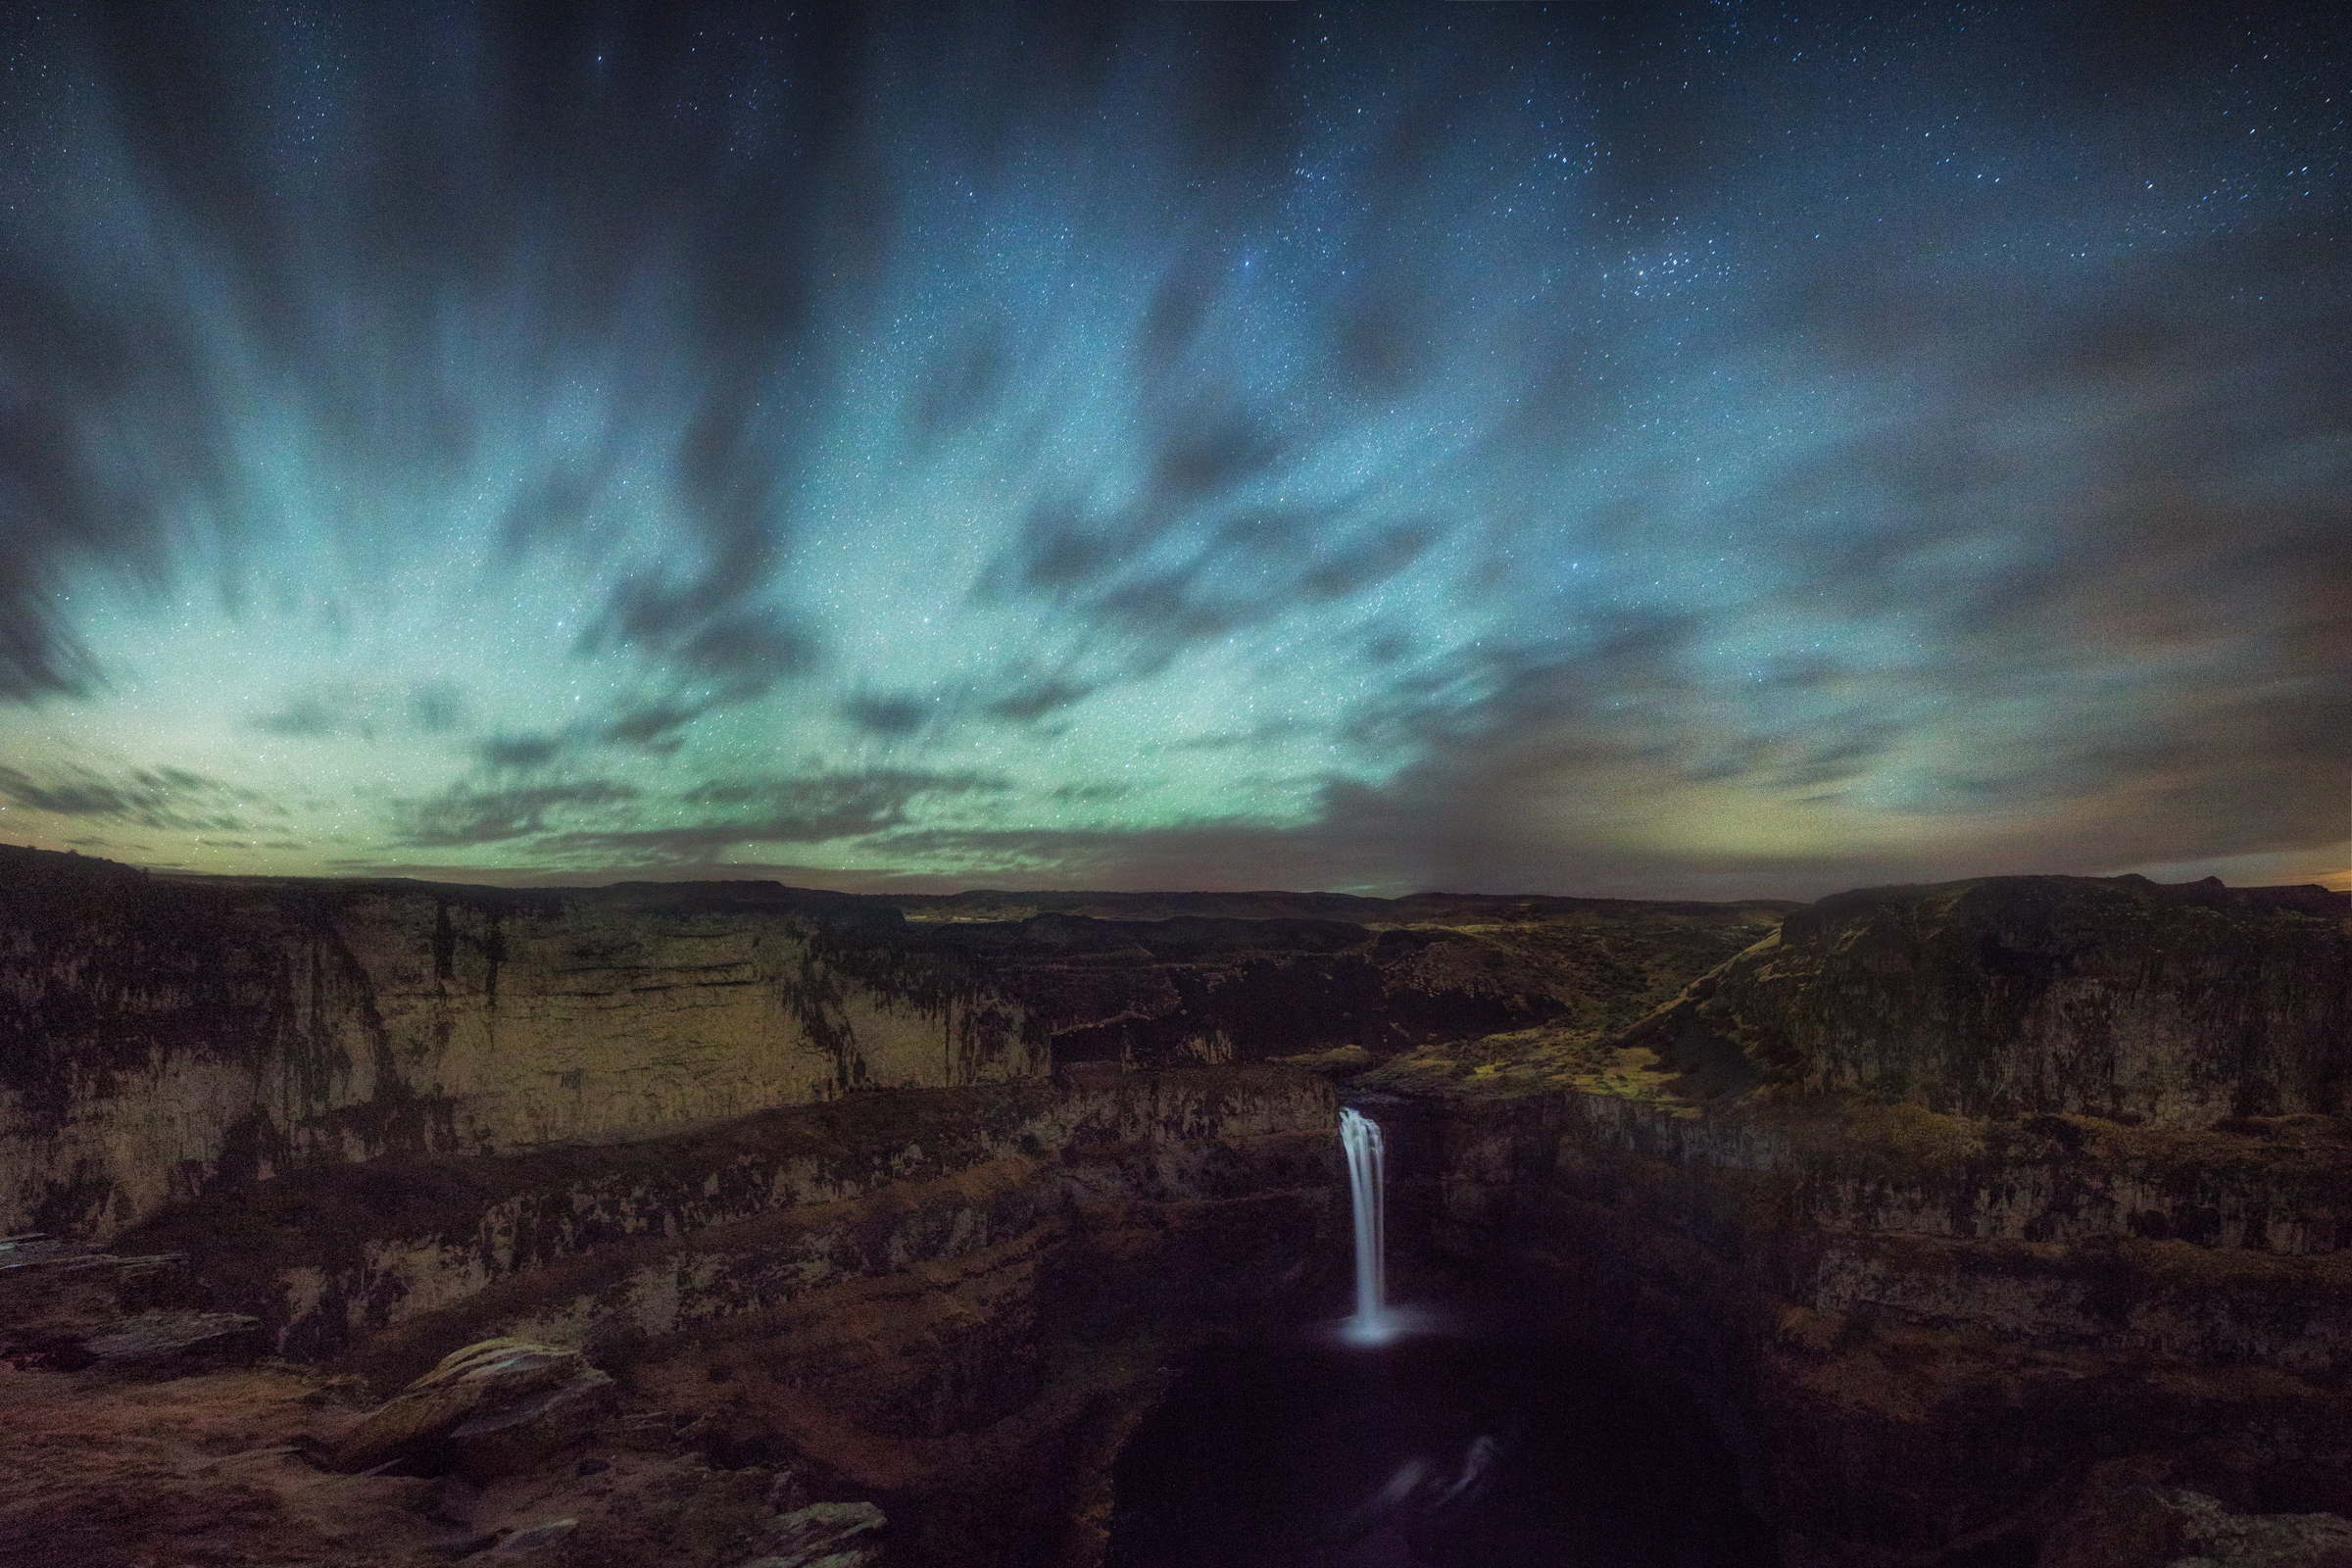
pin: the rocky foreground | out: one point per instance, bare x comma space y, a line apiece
1998, 1222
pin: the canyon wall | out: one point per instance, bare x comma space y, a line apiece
953, 1302
1957, 1203
916, 1201
1977, 1214
162, 1038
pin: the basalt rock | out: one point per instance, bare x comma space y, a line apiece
2012, 997
1944, 1197
1977, 1214
160, 1038
489, 1409
952, 1300
167, 1037
824, 1535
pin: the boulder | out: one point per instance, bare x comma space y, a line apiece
824, 1535
493, 1408
2214, 1534
530, 1539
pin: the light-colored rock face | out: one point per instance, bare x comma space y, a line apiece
162, 1038
176, 1037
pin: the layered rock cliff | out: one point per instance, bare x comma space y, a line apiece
861, 1201
947, 1302
1958, 1202
162, 1038
1996, 1222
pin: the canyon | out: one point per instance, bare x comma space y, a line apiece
1989, 1223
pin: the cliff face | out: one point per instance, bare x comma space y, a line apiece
616, 1246
1979, 1214
1955, 1203
955, 1300
160, 1038
2165, 1007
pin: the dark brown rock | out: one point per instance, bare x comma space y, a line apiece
493, 1408
1941, 1197
2011, 997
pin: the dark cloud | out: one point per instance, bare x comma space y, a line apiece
1153, 579
520, 752
654, 726
166, 799
879, 714
1854, 444
465, 817
1028, 701
426, 709
961, 392
790, 810
119, 405
1206, 856
695, 628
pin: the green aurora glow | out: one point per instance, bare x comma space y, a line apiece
1751, 449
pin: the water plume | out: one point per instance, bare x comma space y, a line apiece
1372, 1323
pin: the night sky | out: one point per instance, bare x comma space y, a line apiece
1702, 450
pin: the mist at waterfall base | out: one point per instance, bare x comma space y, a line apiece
1457, 1433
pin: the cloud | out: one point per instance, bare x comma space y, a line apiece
1760, 459
166, 799
369, 711
466, 816
1146, 581
893, 716
1209, 857
1026, 700
700, 631
520, 752
831, 806
717, 814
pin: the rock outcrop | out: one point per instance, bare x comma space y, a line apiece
918, 1200
160, 1038
486, 1411
2010, 997
951, 1300
236, 1467
1944, 1196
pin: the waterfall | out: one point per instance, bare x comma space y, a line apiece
1360, 1135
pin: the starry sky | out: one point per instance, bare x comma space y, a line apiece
1658, 450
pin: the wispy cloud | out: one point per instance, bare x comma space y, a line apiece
166, 799
1146, 443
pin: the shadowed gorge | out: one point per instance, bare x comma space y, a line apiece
1999, 1221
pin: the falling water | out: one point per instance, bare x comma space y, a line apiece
1360, 1135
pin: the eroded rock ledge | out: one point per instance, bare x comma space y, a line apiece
163, 1038
1958, 1202
946, 1301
